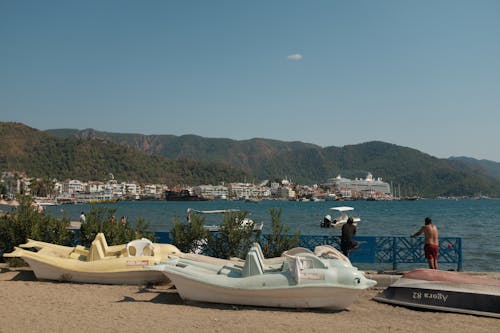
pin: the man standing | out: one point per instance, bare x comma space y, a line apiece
347, 244
431, 247
82, 218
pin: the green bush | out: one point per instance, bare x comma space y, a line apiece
101, 219
279, 239
233, 239
190, 236
26, 222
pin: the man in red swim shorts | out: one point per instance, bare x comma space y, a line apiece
431, 247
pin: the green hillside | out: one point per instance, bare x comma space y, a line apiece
412, 171
485, 167
247, 155
41, 154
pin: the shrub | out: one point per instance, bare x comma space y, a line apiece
233, 238
101, 219
26, 222
190, 236
279, 240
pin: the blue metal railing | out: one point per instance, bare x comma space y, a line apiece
380, 249
377, 249
395, 250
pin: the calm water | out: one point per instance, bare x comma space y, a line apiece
477, 222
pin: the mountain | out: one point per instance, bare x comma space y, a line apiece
485, 167
247, 155
44, 155
412, 171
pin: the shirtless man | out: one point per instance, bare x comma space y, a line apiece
431, 247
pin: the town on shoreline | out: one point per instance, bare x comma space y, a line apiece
47, 192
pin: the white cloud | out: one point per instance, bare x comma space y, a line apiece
295, 57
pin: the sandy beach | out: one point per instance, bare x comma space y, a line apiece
29, 305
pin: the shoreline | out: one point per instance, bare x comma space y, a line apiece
31, 305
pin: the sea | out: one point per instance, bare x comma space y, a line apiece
476, 221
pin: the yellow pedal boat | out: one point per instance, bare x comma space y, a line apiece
100, 263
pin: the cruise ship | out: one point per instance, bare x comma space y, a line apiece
360, 188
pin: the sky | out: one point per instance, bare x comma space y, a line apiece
421, 74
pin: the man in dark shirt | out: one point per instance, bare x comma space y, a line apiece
346, 241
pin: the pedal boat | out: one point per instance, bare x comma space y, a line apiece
299, 279
445, 291
103, 264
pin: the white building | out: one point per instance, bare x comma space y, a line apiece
286, 193
248, 191
131, 189
151, 190
211, 191
96, 187
73, 186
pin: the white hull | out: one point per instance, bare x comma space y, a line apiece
339, 221
44, 271
119, 264
290, 297
216, 228
298, 279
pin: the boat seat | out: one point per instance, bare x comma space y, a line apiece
81, 250
273, 264
78, 256
80, 253
253, 264
140, 247
295, 266
230, 270
310, 260
108, 250
95, 251
147, 251
258, 249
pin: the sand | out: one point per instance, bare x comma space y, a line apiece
29, 305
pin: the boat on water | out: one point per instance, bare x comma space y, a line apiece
216, 227
184, 195
45, 202
341, 219
100, 263
298, 279
445, 291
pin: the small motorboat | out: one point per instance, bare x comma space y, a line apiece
100, 263
300, 279
245, 222
341, 219
445, 291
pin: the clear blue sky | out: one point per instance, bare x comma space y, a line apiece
421, 74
